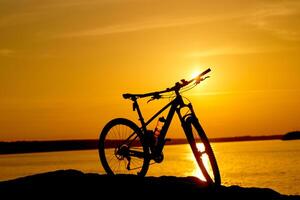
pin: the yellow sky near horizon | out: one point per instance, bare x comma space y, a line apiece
65, 64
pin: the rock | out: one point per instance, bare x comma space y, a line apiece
74, 184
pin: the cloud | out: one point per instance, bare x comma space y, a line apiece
40, 11
221, 51
234, 50
280, 19
146, 25
6, 52
237, 92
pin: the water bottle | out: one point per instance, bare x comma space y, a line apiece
159, 125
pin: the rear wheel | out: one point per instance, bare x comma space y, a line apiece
121, 148
202, 151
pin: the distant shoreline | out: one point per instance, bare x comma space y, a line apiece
89, 144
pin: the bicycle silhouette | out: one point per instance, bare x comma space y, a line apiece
125, 148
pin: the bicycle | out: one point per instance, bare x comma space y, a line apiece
125, 148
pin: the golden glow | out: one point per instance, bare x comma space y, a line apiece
62, 73
197, 172
200, 147
195, 74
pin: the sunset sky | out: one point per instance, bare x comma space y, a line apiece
65, 64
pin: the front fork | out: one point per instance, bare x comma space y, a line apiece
183, 119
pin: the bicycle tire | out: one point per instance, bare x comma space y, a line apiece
114, 139
204, 154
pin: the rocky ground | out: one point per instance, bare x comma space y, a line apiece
75, 184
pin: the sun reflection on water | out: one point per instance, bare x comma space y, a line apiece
205, 159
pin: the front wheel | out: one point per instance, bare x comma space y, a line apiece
121, 148
202, 151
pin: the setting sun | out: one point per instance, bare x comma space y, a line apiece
205, 159
196, 73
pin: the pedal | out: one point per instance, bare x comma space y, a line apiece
159, 158
128, 164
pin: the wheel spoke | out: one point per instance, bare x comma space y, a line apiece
122, 149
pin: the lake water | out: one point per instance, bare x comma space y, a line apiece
267, 164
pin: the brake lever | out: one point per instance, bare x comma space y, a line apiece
206, 77
201, 79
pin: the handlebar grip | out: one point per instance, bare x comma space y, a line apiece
205, 72
126, 96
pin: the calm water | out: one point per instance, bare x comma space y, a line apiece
273, 164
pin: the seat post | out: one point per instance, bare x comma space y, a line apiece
137, 108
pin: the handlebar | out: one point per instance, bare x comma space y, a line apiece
175, 88
205, 72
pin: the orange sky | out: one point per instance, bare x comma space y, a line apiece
65, 64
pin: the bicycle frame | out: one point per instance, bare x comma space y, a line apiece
176, 105
145, 145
